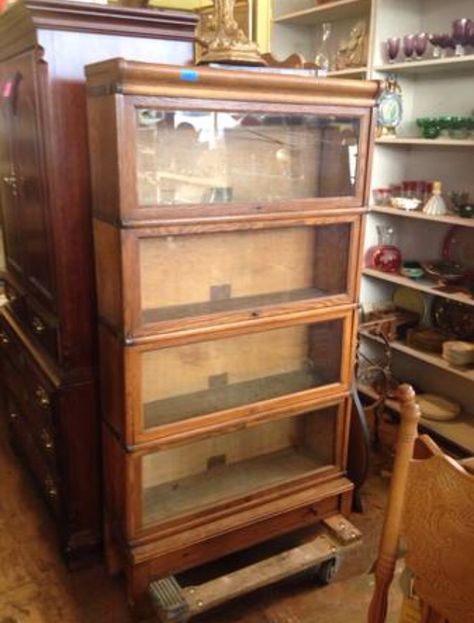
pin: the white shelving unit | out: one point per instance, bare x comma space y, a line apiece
459, 431
430, 87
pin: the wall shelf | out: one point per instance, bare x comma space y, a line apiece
424, 285
433, 65
327, 12
448, 219
400, 141
347, 73
430, 358
459, 431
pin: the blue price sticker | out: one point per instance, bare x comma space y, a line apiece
189, 75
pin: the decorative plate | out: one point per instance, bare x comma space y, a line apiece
411, 300
434, 407
458, 246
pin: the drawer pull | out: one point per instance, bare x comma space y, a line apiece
4, 339
38, 325
42, 397
47, 440
13, 415
12, 182
51, 488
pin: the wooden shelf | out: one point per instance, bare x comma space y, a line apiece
459, 431
327, 12
424, 285
400, 141
347, 73
449, 219
177, 408
186, 494
432, 65
430, 358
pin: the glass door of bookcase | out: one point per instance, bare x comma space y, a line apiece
207, 473
176, 388
240, 273
193, 156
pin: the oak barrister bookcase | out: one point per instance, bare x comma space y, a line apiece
227, 222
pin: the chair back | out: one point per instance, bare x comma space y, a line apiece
431, 502
438, 528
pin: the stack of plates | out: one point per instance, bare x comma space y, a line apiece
458, 353
435, 407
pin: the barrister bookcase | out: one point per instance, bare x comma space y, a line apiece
227, 223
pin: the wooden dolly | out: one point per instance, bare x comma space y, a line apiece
175, 604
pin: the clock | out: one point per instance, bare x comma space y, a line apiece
389, 108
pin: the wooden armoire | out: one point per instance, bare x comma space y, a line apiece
48, 329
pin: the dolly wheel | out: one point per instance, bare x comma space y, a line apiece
327, 570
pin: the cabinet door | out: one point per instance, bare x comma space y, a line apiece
11, 217
24, 197
204, 476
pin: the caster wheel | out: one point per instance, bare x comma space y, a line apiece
327, 570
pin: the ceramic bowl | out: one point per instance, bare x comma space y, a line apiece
405, 203
413, 270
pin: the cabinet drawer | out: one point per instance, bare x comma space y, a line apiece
178, 277
31, 387
245, 464
175, 384
16, 301
43, 469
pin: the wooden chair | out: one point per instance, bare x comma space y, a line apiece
431, 504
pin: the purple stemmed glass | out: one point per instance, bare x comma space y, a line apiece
460, 35
435, 41
446, 43
392, 48
408, 46
421, 41
470, 33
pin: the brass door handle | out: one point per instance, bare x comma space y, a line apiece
12, 182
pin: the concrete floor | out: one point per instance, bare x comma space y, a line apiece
35, 587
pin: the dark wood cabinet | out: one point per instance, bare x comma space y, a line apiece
227, 228
48, 328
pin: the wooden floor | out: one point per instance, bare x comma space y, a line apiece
35, 587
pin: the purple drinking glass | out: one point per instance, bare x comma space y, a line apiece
446, 43
392, 48
421, 42
460, 35
435, 40
470, 33
408, 46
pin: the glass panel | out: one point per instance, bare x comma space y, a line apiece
192, 157
193, 275
181, 382
213, 470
